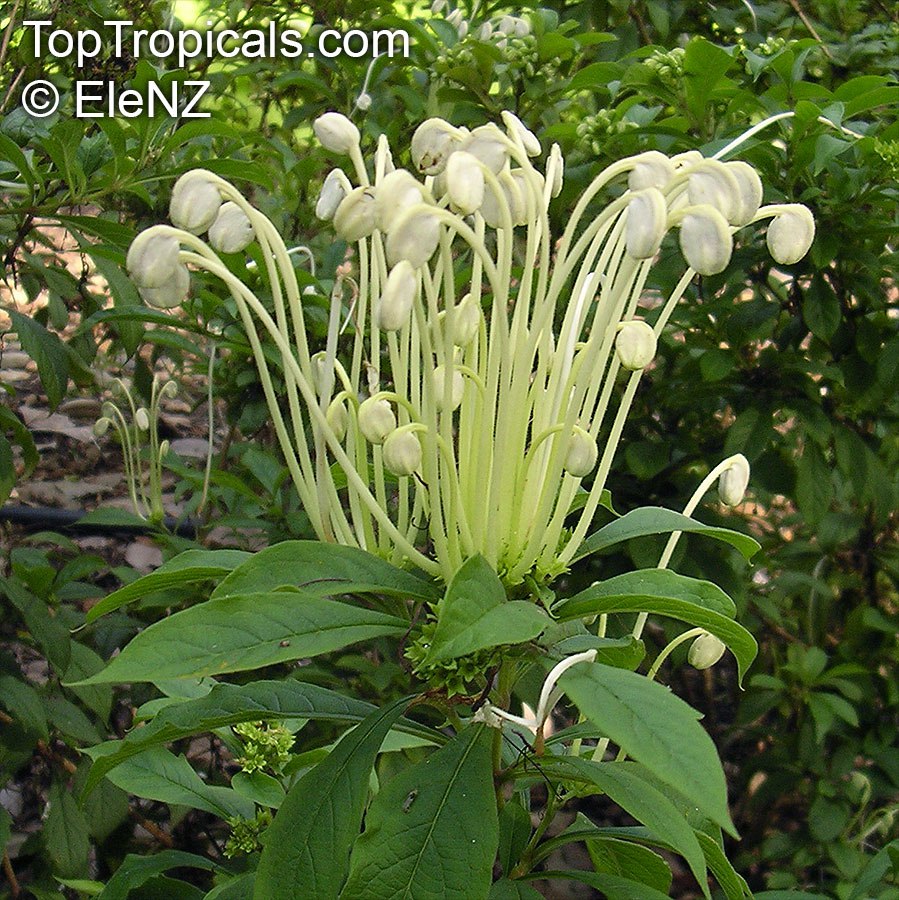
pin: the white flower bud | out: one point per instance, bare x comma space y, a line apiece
712, 183
392, 308
466, 321
506, 25
395, 193
333, 191
431, 145
336, 416
363, 101
402, 452
488, 144
231, 231
515, 127
734, 480
142, 419
101, 426
635, 344
357, 216
455, 18
376, 420
195, 201
164, 449
414, 236
705, 651
750, 191
556, 164
169, 295
457, 388
687, 159
647, 221
464, 182
485, 32
582, 453
705, 240
335, 132
437, 7
169, 390
790, 234
512, 194
522, 27
152, 258
651, 169
462, 30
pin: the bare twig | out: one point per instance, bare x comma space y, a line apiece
15, 889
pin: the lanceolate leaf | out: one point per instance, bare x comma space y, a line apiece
475, 614
233, 634
655, 728
432, 831
307, 848
136, 871
665, 593
229, 704
186, 568
657, 520
323, 570
613, 887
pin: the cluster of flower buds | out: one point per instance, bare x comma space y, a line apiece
492, 363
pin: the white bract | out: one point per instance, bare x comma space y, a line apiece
470, 351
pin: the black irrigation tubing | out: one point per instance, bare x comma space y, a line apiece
41, 518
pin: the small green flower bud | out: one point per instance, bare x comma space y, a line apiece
635, 344
376, 420
582, 453
705, 240
356, 217
335, 132
790, 234
457, 388
231, 232
195, 201
705, 651
402, 452
734, 480
333, 191
465, 182
647, 221
392, 308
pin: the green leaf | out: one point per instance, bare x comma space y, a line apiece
65, 834
159, 775
657, 520
704, 66
655, 728
514, 833
234, 634
612, 856
229, 704
613, 887
24, 703
432, 830
475, 614
5, 828
262, 789
186, 568
323, 570
821, 309
874, 871
814, 484
504, 889
306, 850
660, 591
733, 885
48, 353
624, 784
239, 888
135, 871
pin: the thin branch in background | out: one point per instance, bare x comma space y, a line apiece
811, 28
15, 889
9, 30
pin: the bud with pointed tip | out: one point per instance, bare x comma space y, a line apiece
334, 190
231, 232
402, 452
152, 258
749, 197
457, 388
651, 169
395, 193
169, 295
432, 143
516, 127
376, 419
335, 132
705, 239
195, 201
582, 453
635, 345
791, 233
705, 651
356, 217
734, 480
647, 221
392, 308
414, 236
464, 182
557, 164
